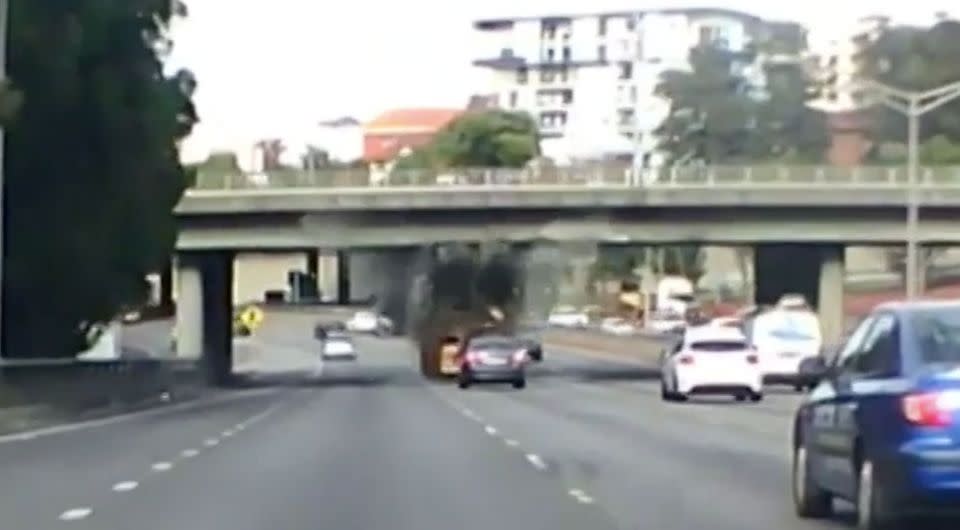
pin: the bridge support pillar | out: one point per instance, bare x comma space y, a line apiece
830, 299
204, 318
815, 271
166, 286
343, 277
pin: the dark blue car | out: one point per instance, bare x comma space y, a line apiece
882, 427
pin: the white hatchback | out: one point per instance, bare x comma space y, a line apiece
711, 360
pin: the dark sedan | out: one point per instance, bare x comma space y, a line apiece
494, 359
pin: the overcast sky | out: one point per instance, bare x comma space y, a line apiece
270, 68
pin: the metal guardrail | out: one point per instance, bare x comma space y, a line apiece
588, 176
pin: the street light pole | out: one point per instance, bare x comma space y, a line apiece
635, 92
4, 10
913, 105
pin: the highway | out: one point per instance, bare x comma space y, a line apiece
369, 445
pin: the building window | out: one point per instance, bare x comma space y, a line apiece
550, 55
566, 54
625, 116
602, 26
547, 75
564, 74
633, 93
567, 97
513, 99
602, 53
626, 71
548, 30
631, 23
522, 76
832, 63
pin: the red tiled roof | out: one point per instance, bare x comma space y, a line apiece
411, 121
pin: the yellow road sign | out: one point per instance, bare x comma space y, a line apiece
251, 317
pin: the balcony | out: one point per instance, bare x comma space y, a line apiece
505, 60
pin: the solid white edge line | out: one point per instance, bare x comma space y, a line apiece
211, 442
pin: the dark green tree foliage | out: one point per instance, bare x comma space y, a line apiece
717, 117
916, 58
490, 139
461, 288
92, 169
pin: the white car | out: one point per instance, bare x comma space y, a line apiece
618, 326
368, 322
711, 360
785, 337
338, 347
666, 322
568, 317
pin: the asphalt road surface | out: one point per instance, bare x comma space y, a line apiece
369, 445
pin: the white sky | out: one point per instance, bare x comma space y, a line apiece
269, 68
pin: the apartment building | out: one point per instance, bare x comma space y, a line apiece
836, 57
595, 76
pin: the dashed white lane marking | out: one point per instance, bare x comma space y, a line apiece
511, 442
162, 466
227, 433
190, 453
211, 442
536, 461
125, 486
75, 514
491, 430
581, 497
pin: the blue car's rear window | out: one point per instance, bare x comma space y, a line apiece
937, 335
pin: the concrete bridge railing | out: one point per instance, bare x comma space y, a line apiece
587, 176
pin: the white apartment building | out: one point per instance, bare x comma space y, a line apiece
595, 76
835, 53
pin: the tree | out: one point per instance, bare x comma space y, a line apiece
916, 58
315, 158
92, 166
488, 139
718, 116
271, 151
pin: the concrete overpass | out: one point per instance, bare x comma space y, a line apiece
798, 229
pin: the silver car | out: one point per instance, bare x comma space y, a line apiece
494, 359
337, 346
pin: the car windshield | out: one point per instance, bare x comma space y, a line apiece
936, 333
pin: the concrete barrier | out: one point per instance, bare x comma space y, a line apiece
39, 392
641, 347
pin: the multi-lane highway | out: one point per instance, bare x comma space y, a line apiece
369, 445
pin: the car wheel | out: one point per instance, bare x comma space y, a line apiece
872, 510
665, 394
799, 388
756, 396
463, 382
520, 383
809, 499
740, 397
